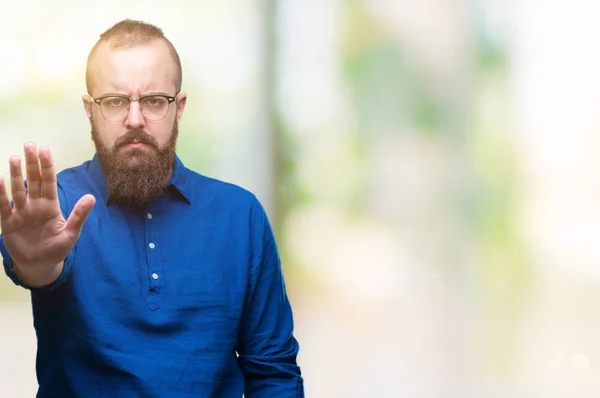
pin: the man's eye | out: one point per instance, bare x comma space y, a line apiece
154, 101
115, 102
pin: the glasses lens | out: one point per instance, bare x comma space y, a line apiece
114, 108
154, 107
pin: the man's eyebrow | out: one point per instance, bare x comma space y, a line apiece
114, 94
155, 93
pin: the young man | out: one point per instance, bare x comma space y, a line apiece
146, 278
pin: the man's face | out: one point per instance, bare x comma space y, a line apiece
136, 152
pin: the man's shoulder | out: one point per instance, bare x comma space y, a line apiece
73, 171
74, 176
213, 188
223, 194
73, 182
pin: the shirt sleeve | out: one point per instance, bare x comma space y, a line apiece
267, 347
8, 263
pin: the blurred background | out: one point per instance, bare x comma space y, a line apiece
430, 169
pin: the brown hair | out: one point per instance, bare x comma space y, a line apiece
129, 33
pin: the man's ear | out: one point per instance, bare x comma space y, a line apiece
87, 105
180, 102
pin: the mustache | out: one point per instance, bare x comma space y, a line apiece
136, 136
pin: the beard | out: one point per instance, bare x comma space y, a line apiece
136, 176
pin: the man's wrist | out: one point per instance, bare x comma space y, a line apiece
38, 276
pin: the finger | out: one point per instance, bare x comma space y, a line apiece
32, 169
16, 182
48, 174
80, 213
5, 208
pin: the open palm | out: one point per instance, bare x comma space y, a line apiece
35, 233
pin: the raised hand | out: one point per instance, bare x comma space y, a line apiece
35, 233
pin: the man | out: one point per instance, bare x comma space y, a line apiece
146, 278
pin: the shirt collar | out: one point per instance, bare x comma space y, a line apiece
177, 184
179, 180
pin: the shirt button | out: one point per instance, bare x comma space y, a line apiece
155, 276
152, 245
149, 215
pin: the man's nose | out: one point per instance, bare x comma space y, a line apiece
135, 119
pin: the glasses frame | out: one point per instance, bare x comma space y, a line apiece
99, 100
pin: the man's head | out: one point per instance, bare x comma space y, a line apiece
133, 101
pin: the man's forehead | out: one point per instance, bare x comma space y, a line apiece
138, 67
106, 52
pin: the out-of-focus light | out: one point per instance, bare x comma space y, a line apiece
14, 70
580, 361
56, 60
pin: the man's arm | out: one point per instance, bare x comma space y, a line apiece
267, 347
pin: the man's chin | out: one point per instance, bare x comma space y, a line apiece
134, 156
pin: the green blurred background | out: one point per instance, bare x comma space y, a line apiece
429, 168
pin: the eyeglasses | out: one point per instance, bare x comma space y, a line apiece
115, 107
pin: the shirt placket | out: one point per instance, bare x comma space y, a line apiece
154, 267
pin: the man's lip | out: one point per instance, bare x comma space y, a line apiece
135, 145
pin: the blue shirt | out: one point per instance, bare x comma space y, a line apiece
183, 299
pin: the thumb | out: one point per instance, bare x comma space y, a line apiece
80, 213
